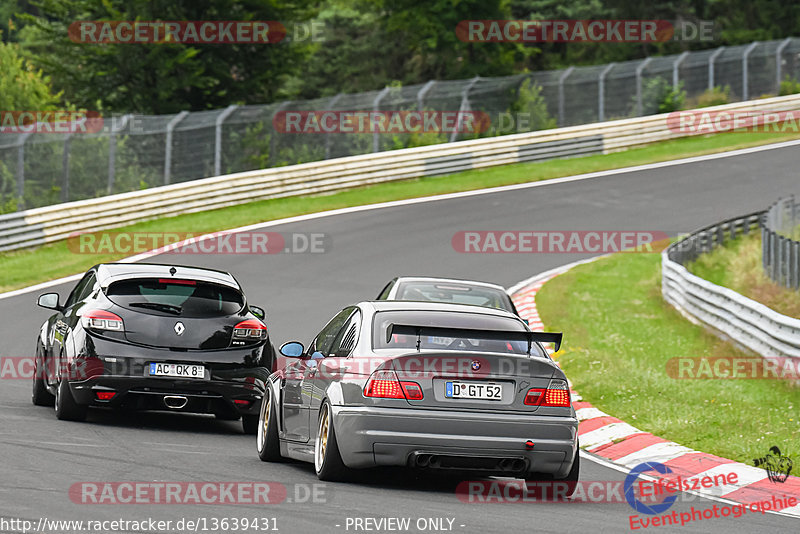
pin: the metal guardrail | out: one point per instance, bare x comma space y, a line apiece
746, 322
780, 253
52, 223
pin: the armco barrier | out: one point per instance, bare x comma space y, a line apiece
744, 321
43, 225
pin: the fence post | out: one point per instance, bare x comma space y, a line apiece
65, 169
712, 58
779, 63
376, 142
218, 138
745, 81
168, 145
330, 106
639, 68
561, 80
676, 65
421, 94
601, 93
112, 151
464, 107
272, 135
20, 144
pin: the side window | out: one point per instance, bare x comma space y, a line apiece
386, 290
81, 290
324, 340
347, 337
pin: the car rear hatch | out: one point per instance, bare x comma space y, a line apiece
183, 314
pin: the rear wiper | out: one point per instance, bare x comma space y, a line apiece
169, 308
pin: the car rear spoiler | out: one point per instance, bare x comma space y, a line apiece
474, 333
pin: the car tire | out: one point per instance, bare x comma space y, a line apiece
250, 424
66, 407
267, 444
41, 396
328, 462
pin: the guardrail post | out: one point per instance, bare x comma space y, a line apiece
601, 92
561, 80
464, 107
112, 151
168, 145
218, 138
711, 59
779, 63
639, 68
376, 141
421, 94
745, 81
676, 65
65, 169
795, 272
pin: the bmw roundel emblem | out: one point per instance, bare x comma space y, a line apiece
179, 328
476, 365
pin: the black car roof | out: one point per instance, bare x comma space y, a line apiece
110, 272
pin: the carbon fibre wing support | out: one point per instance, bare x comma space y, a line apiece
474, 333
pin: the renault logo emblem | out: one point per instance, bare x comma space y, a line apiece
179, 328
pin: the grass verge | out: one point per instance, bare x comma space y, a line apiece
737, 265
619, 335
26, 267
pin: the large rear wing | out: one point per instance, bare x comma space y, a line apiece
474, 333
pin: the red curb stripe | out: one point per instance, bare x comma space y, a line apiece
765, 490
600, 450
631, 444
587, 425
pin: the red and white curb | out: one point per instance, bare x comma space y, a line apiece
626, 446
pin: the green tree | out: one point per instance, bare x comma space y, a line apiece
167, 77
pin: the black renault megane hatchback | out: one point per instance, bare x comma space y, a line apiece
153, 337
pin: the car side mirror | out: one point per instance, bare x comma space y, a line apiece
317, 355
292, 349
527, 322
258, 311
49, 301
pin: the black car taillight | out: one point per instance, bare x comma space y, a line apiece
556, 394
102, 320
251, 329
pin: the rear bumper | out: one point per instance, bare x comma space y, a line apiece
232, 374
369, 436
188, 396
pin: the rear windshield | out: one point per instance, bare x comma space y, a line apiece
183, 298
448, 319
454, 293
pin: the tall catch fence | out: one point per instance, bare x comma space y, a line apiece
134, 152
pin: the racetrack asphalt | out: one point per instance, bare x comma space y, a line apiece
42, 457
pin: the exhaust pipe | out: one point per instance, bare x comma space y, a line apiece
175, 402
423, 460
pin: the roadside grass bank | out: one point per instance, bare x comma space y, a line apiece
618, 336
26, 267
737, 265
